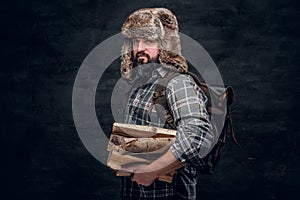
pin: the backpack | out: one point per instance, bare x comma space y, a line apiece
220, 96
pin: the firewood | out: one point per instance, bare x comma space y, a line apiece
135, 144
116, 160
131, 130
139, 145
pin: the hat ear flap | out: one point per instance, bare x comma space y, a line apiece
170, 47
126, 59
173, 61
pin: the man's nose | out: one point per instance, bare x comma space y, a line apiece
141, 46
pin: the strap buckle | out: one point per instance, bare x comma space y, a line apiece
158, 94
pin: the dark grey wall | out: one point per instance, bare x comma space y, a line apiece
255, 44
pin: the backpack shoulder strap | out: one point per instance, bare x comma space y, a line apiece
159, 99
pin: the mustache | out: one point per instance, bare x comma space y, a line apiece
142, 54
137, 62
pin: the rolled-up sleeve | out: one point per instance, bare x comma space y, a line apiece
194, 138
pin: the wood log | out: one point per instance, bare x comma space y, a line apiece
139, 145
136, 131
117, 159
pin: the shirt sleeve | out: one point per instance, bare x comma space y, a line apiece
187, 104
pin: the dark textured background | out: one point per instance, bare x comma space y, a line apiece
255, 44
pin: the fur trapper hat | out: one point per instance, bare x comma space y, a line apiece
153, 23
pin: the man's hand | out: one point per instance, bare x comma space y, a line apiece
143, 175
144, 179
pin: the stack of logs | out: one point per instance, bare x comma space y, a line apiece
135, 144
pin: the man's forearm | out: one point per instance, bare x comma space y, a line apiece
165, 164
146, 174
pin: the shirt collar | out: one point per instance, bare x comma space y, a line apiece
161, 71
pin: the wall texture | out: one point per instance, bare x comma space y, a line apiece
255, 45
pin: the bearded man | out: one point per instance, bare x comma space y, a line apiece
152, 50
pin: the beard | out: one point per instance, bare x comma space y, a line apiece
144, 70
138, 61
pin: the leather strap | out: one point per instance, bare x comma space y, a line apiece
159, 98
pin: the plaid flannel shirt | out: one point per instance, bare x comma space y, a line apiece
193, 138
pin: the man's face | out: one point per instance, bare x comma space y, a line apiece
144, 50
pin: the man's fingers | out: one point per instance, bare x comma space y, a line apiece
143, 179
140, 182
